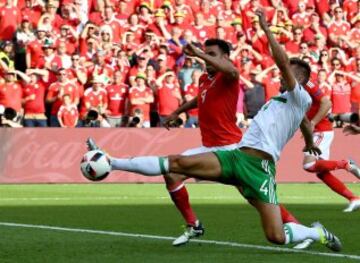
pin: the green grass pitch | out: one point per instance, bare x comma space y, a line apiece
147, 209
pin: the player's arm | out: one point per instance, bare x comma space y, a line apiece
278, 53
192, 104
351, 129
325, 106
223, 65
307, 132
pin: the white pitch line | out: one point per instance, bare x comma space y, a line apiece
202, 241
138, 197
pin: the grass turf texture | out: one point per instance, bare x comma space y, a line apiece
147, 209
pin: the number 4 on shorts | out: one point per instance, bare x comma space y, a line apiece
264, 187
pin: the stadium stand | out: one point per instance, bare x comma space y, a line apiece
114, 63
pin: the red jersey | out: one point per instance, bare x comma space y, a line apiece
217, 103
11, 95
137, 93
10, 18
95, 98
316, 96
271, 87
68, 115
339, 28
34, 48
37, 105
192, 90
58, 88
117, 95
168, 98
340, 97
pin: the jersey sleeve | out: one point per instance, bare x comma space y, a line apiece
314, 91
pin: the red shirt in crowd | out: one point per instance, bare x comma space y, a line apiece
68, 115
37, 105
271, 87
10, 18
340, 97
192, 91
11, 95
117, 98
34, 48
217, 100
137, 93
57, 90
96, 99
169, 98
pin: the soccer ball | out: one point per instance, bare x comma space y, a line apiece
95, 165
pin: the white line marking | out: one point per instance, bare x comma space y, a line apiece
212, 242
139, 197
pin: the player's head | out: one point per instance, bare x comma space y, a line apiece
301, 70
216, 48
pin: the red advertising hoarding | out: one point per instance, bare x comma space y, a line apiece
52, 155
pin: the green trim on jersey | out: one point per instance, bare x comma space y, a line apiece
255, 176
280, 99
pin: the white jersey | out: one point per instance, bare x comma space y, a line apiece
277, 121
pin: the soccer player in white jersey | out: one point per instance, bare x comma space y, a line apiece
251, 168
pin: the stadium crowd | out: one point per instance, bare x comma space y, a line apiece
121, 63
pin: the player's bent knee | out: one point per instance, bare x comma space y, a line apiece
178, 164
309, 167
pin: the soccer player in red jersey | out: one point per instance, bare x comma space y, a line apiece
323, 136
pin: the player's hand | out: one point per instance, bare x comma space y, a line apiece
312, 149
262, 18
169, 120
351, 130
191, 50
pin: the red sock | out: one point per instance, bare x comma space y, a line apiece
336, 185
322, 166
286, 216
180, 197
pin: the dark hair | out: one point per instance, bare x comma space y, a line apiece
303, 71
223, 45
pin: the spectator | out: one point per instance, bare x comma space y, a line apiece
185, 74
293, 47
338, 27
68, 114
270, 81
6, 57
34, 97
10, 17
168, 94
340, 95
11, 92
34, 51
56, 92
141, 96
117, 94
95, 98
190, 92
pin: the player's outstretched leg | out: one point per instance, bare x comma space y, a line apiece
179, 195
279, 233
322, 169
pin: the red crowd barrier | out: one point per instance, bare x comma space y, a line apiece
51, 155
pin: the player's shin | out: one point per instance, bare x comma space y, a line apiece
146, 165
295, 233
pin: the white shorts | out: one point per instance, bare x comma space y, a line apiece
204, 149
323, 140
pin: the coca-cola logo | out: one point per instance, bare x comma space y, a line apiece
54, 155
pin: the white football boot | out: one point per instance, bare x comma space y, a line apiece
327, 238
354, 168
353, 205
190, 232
